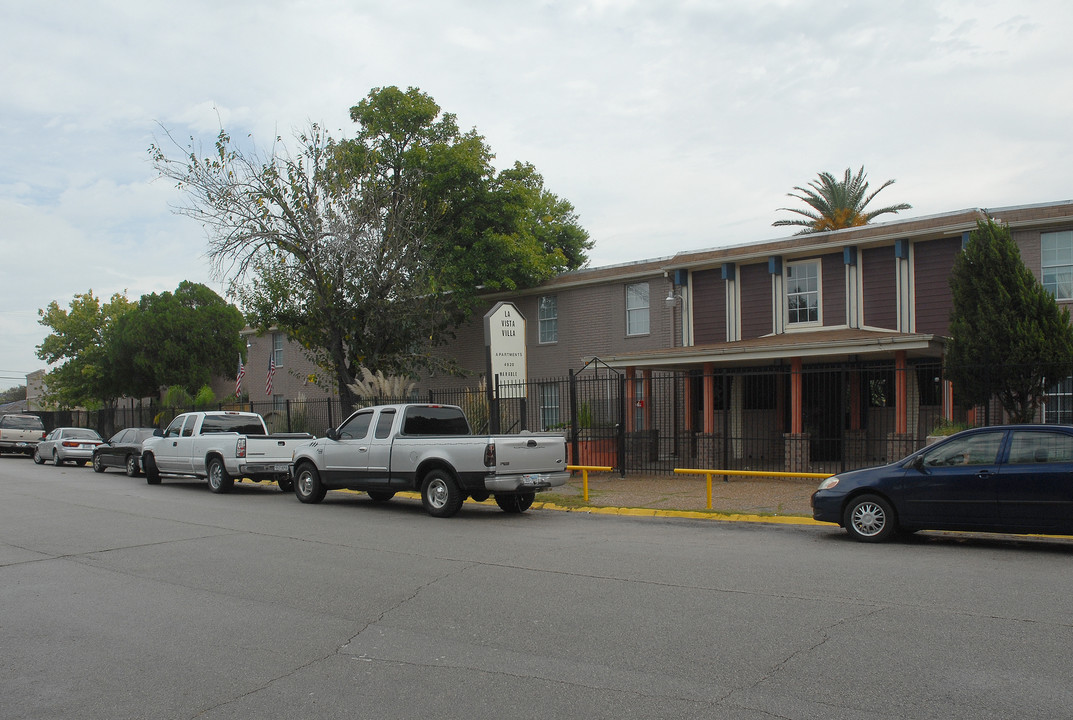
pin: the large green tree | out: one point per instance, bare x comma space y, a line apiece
1009, 338
83, 375
836, 204
182, 339
370, 251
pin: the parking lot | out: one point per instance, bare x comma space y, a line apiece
124, 600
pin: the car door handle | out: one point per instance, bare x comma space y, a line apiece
363, 449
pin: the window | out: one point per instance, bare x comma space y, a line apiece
803, 292
548, 315
357, 427
1041, 447
383, 424
979, 449
637, 309
1058, 403
1056, 260
277, 349
549, 406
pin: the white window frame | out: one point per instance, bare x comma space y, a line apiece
813, 287
548, 319
1056, 263
277, 349
638, 321
549, 406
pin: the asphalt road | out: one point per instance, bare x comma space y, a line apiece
121, 600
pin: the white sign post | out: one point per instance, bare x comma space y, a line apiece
504, 338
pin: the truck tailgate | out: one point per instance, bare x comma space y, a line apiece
530, 453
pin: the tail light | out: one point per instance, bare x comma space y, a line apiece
490, 455
240, 448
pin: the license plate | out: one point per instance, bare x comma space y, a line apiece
532, 479
281, 468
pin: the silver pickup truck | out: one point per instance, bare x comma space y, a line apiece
220, 446
429, 449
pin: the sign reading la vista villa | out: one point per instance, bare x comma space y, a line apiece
504, 338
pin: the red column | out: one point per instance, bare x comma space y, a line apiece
797, 415
709, 398
901, 394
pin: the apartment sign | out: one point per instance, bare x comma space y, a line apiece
504, 339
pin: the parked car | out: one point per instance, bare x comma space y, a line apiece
67, 444
123, 450
20, 433
1011, 478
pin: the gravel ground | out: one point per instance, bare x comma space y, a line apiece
762, 496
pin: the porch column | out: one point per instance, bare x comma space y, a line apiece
709, 398
796, 442
631, 398
901, 394
646, 397
796, 410
900, 443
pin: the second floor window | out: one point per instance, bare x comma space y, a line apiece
1056, 259
803, 292
548, 316
637, 309
277, 349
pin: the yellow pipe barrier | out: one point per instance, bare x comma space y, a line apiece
585, 475
708, 475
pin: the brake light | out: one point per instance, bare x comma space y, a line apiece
490, 455
240, 448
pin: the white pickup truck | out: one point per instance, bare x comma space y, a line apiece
428, 448
220, 446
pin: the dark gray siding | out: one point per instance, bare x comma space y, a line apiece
755, 301
709, 307
879, 284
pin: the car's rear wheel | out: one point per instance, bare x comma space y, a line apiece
870, 518
286, 485
441, 495
56, 458
219, 479
515, 502
38, 459
132, 466
98, 465
152, 474
307, 485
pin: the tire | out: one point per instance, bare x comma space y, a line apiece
152, 474
131, 465
515, 502
381, 495
219, 480
869, 518
56, 458
307, 485
286, 485
440, 494
38, 460
98, 464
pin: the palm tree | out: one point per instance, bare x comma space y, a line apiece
837, 204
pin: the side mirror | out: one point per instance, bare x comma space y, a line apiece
331, 434
157, 432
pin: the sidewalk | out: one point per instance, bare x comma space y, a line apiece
767, 497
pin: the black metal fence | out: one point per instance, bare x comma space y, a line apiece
653, 422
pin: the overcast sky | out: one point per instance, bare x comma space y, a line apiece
669, 125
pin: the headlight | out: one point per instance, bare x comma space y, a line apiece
828, 483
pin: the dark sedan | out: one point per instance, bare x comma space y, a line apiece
1011, 478
123, 450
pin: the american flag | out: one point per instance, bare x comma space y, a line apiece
239, 376
271, 372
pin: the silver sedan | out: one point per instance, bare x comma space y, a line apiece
67, 444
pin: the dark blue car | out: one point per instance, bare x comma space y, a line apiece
1009, 478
